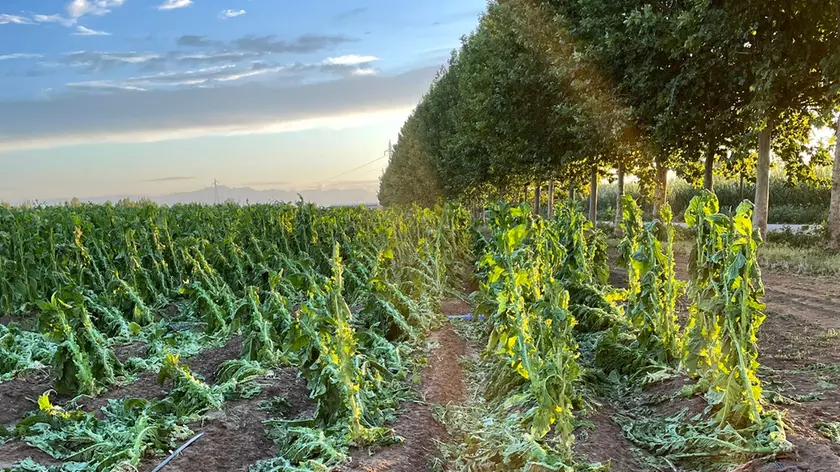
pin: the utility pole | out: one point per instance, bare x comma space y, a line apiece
216, 190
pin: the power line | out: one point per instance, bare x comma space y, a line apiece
356, 168
387, 155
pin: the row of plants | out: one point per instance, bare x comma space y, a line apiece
561, 340
345, 295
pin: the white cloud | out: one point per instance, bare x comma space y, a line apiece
19, 55
215, 57
55, 19
166, 114
13, 19
168, 79
336, 122
231, 13
130, 57
363, 72
350, 60
82, 31
80, 8
104, 85
173, 4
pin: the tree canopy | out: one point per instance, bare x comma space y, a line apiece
557, 89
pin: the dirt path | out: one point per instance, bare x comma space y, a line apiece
441, 383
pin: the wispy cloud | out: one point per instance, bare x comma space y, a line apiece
94, 62
346, 66
194, 77
363, 72
352, 13
182, 113
13, 19
80, 8
83, 31
170, 179
55, 19
304, 44
19, 55
225, 14
350, 60
191, 40
215, 57
269, 44
173, 4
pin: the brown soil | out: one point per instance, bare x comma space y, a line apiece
604, 442
11, 453
664, 398
127, 351
204, 364
455, 307
27, 321
19, 396
441, 383
235, 438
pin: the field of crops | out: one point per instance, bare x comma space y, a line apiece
297, 336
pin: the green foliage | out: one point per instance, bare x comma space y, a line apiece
726, 311
706, 442
531, 340
188, 395
830, 429
82, 361
302, 449
272, 273
21, 351
259, 337
130, 428
652, 286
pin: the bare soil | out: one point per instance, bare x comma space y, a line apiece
604, 442
235, 437
441, 383
19, 396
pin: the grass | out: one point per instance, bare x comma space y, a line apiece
791, 203
779, 257
783, 258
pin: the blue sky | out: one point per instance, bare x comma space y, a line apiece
101, 97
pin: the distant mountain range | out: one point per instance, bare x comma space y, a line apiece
242, 195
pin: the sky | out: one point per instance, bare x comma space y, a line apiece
147, 97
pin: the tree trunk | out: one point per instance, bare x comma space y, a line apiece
572, 192
660, 190
537, 195
593, 196
619, 195
834, 212
708, 176
762, 181
551, 199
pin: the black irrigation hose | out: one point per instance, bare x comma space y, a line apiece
177, 451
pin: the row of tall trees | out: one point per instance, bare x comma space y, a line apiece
569, 90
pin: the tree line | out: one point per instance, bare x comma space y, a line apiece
569, 91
